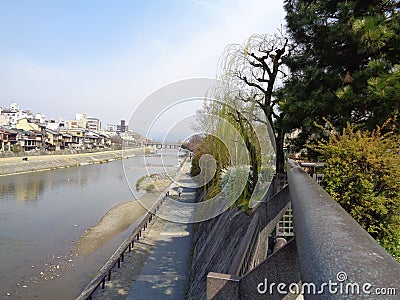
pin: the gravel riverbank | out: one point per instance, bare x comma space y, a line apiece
16, 165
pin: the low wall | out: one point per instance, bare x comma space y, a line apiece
16, 165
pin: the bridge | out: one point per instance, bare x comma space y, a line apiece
160, 145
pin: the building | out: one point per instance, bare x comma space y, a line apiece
24, 114
10, 117
53, 140
28, 124
90, 139
83, 121
21, 130
4, 121
30, 140
104, 140
56, 124
77, 138
79, 122
66, 140
40, 118
93, 124
111, 128
14, 107
4, 143
122, 127
12, 136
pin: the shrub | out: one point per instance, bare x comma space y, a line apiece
150, 187
363, 174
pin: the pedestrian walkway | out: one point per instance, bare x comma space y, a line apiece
165, 273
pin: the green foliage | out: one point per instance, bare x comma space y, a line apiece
235, 146
139, 182
16, 149
236, 185
150, 187
252, 71
213, 146
363, 175
345, 65
213, 191
145, 182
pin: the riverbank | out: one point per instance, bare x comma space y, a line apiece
16, 165
119, 218
122, 215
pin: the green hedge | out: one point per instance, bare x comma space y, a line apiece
363, 174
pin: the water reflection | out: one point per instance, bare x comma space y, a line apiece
43, 214
30, 187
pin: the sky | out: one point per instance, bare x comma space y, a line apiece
104, 57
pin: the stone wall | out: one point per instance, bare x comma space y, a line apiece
215, 244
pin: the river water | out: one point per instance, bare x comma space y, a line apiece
43, 214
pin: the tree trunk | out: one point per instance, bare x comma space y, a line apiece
280, 155
254, 164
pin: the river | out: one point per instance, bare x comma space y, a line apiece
43, 214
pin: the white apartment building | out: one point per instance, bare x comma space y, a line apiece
83, 121
111, 128
93, 124
12, 115
56, 124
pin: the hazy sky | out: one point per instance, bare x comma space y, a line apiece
103, 57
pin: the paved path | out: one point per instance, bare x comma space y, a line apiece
165, 273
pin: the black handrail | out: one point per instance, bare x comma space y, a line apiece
118, 256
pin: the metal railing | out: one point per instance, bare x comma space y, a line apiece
118, 257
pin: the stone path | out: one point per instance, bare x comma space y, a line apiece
158, 268
165, 274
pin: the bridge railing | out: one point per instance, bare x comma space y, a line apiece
330, 247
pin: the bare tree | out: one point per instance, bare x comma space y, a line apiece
252, 71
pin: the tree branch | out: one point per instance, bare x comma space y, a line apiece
261, 60
249, 83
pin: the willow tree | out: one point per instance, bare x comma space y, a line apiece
252, 71
241, 116
238, 140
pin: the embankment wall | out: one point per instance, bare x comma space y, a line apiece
16, 165
215, 243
